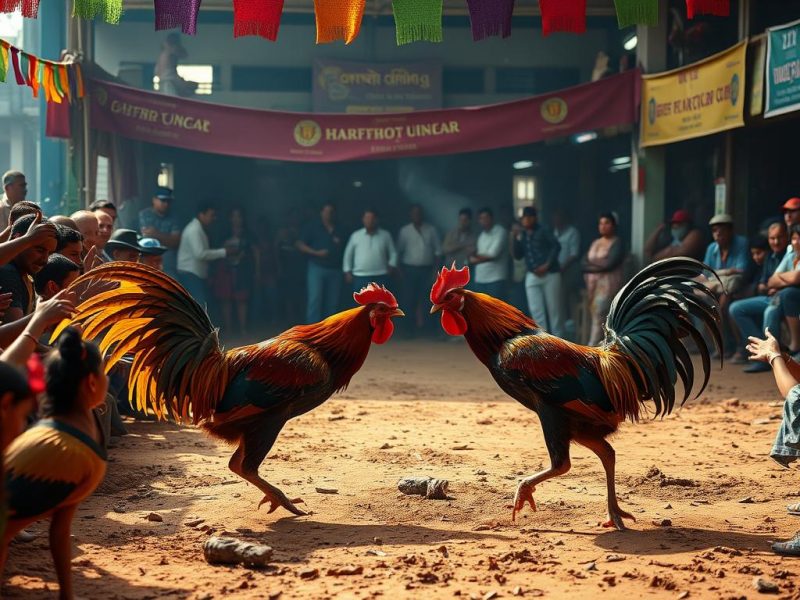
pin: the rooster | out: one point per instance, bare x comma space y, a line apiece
245, 396
582, 394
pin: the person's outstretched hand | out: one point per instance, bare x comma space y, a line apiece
40, 233
51, 312
763, 350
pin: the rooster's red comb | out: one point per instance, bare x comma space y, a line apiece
373, 294
447, 281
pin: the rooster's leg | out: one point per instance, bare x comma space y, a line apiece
252, 450
607, 456
557, 439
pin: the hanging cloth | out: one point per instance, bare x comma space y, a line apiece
28, 8
338, 19
719, 8
417, 21
3, 62
636, 12
490, 18
110, 10
257, 17
177, 13
563, 15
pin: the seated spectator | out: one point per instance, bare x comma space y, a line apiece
56, 275
749, 314
679, 237
785, 302
56, 464
786, 448
124, 246
759, 250
70, 243
17, 276
729, 256
602, 272
151, 253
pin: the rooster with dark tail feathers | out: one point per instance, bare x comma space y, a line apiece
244, 395
582, 394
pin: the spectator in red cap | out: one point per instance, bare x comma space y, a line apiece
680, 239
791, 212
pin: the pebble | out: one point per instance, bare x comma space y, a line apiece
748, 500
194, 522
591, 566
155, 517
119, 508
336, 418
308, 573
667, 506
385, 446
352, 570
326, 490
765, 586
614, 558
230, 551
433, 489
662, 522
683, 595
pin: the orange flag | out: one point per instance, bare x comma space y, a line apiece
338, 19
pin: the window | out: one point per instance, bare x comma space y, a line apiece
166, 175
102, 186
524, 193
203, 75
270, 79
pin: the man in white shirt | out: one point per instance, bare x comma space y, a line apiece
370, 254
490, 261
15, 188
420, 252
194, 254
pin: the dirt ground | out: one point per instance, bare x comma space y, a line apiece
707, 499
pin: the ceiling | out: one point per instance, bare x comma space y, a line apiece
594, 8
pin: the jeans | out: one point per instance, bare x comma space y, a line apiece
544, 301
749, 315
195, 286
360, 282
496, 289
785, 303
324, 288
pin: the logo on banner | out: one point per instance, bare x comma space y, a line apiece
554, 110
651, 111
102, 96
307, 133
735, 89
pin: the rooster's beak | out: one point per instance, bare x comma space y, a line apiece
398, 313
436, 308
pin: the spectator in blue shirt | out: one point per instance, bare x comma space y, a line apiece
729, 256
156, 222
749, 314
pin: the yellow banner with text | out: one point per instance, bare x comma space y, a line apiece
696, 100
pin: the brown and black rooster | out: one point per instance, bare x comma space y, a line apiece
582, 394
245, 395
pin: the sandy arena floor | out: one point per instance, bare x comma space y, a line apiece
705, 517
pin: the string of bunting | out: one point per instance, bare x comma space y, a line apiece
59, 81
415, 20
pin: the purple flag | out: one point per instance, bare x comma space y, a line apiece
177, 13
490, 17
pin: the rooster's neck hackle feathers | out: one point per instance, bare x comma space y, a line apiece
490, 323
343, 339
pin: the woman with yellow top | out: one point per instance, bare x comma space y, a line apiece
52, 467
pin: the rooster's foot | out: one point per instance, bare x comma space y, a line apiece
615, 519
524, 494
277, 499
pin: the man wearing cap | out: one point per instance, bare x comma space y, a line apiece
729, 256
124, 246
540, 248
156, 222
152, 253
680, 240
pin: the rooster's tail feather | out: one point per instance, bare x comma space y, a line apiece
651, 319
177, 365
